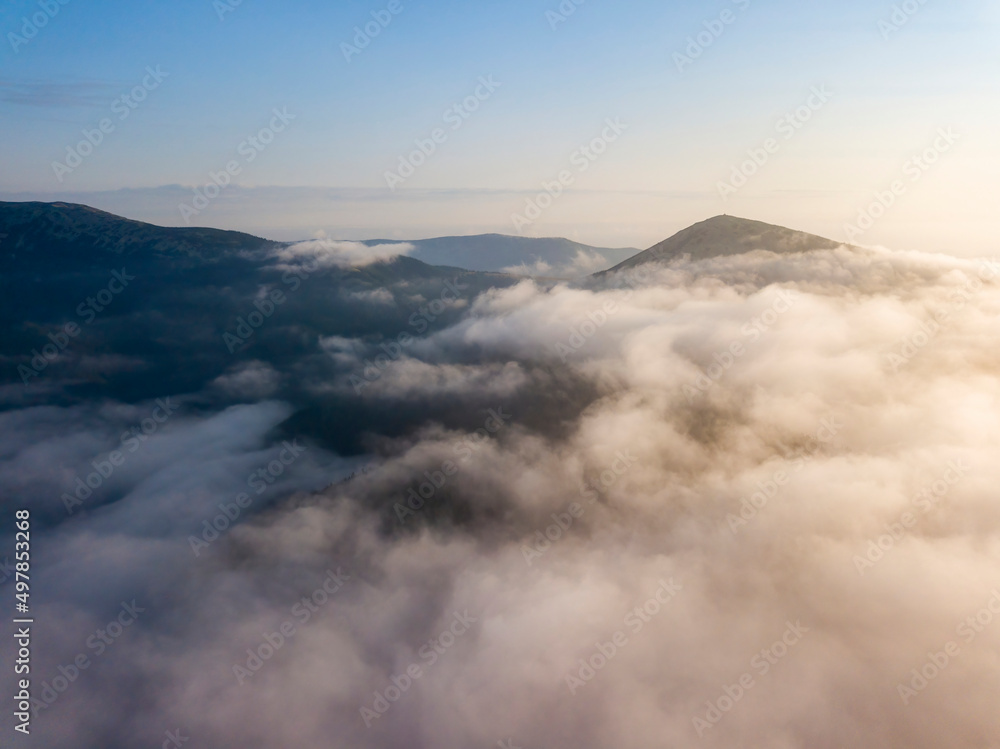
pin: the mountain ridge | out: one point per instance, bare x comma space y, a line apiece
508, 253
69, 230
727, 235
71, 236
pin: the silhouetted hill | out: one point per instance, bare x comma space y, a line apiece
64, 236
728, 235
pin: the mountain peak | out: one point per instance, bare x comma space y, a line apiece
729, 235
75, 234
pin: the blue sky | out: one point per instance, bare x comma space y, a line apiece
686, 130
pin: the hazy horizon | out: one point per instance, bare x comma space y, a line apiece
686, 124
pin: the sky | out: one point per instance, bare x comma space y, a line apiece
881, 104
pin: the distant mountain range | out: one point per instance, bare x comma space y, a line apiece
176, 325
66, 237
66, 234
156, 311
551, 257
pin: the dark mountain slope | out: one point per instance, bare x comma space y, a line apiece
728, 235
62, 236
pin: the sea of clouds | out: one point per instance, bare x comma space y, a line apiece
747, 501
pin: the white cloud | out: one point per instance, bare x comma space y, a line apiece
325, 253
757, 493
